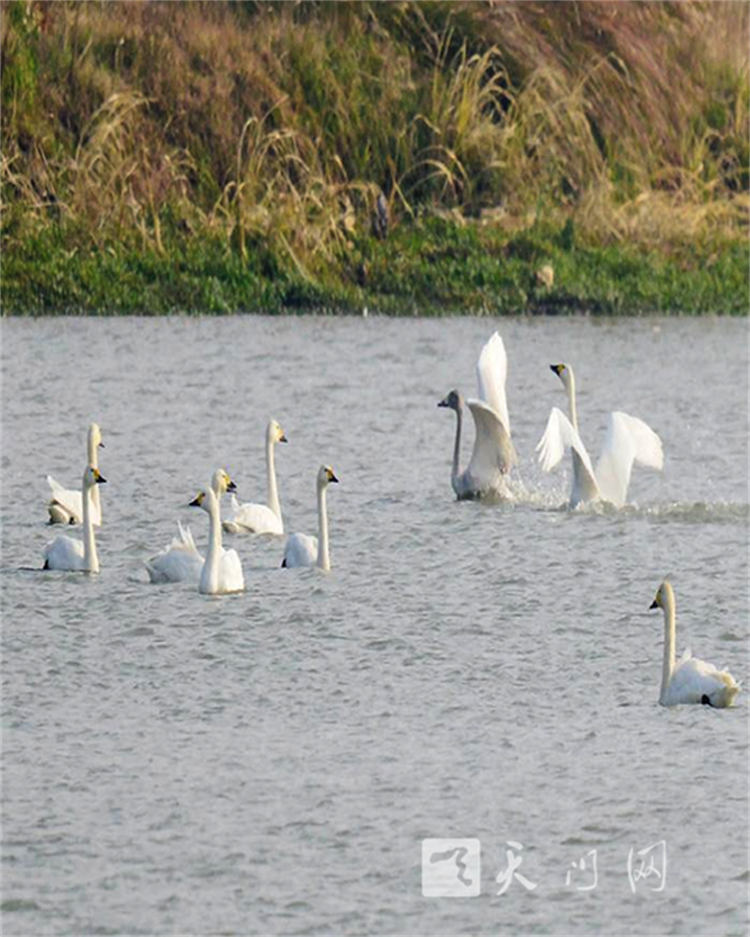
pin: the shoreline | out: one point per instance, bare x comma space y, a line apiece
432, 267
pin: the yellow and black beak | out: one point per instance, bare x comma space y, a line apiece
331, 476
197, 500
98, 477
231, 485
283, 438
557, 368
654, 604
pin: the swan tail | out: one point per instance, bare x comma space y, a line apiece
54, 485
186, 539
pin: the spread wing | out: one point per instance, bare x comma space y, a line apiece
492, 372
493, 450
560, 435
628, 440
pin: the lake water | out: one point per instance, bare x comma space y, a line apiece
271, 762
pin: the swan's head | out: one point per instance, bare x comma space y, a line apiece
221, 483
326, 475
275, 433
664, 595
92, 476
564, 372
202, 500
95, 436
454, 401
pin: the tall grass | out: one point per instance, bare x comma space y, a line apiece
272, 128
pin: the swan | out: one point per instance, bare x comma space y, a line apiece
261, 518
66, 506
493, 455
67, 553
222, 571
627, 440
181, 561
689, 680
304, 550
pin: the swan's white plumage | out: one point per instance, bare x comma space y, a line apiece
179, 562
222, 570
626, 441
71, 504
68, 554
300, 550
253, 517
694, 679
66, 504
558, 436
489, 458
303, 549
493, 454
492, 374
689, 680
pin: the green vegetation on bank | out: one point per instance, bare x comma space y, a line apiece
429, 267
222, 157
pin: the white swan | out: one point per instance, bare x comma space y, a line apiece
493, 455
304, 550
67, 553
222, 571
628, 440
66, 506
181, 561
689, 680
261, 518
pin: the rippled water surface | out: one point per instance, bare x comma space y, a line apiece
271, 762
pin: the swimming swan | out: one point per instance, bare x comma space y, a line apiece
181, 561
66, 506
69, 554
493, 455
628, 440
222, 571
261, 518
689, 680
303, 550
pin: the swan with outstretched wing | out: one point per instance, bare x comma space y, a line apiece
628, 440
493, 455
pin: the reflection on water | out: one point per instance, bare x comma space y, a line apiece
271, 762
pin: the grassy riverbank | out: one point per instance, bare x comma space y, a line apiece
212, 157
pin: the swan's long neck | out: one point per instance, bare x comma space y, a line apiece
210, 574
456, 471
273, 492
572, 398
324, 559
90, 557
669, 641
94, 463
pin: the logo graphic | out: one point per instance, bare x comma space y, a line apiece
451, 868
505, 877
582, 866
652, 863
